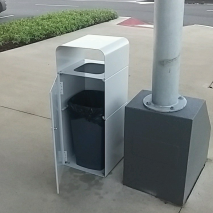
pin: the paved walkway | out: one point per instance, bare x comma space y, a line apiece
27, 176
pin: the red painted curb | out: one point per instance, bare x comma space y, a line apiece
132, 22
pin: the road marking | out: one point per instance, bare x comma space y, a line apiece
56, 5
111, 1
132, 22
145, 2
140, 2
145, 25
6, 16
209, 10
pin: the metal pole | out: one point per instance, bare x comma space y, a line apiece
168, 23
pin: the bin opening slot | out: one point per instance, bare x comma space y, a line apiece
92, 68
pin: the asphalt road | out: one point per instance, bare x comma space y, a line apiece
194, 13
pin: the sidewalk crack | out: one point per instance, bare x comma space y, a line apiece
25, 112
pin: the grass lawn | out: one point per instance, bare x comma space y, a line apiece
29, 30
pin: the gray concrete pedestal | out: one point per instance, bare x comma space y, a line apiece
165, 153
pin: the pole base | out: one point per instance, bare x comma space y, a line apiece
164, 153
147, 101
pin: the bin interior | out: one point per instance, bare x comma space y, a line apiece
91, 68
71, 86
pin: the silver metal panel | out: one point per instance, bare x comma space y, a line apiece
92, 54
114, 139
117, 60
96, 42
66, 56
116, 92
71, 86
114, 49
56, 134
67, 137
58, 88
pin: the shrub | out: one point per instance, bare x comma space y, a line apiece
30, 30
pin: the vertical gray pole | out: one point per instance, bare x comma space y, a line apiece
168, 23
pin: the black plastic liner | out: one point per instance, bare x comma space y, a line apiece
87, 123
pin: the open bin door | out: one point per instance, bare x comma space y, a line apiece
56, 134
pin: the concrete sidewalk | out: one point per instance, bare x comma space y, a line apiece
27, 176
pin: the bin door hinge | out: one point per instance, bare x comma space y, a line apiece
65, 156
54, 128
61, 88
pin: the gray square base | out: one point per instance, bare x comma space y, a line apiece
164, 153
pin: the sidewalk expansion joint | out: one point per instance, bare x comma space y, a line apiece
180, 209
25, 112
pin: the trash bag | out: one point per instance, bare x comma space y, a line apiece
88, 104
87, 127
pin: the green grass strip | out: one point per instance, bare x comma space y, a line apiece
30, 30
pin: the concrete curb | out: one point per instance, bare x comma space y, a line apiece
199, 1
